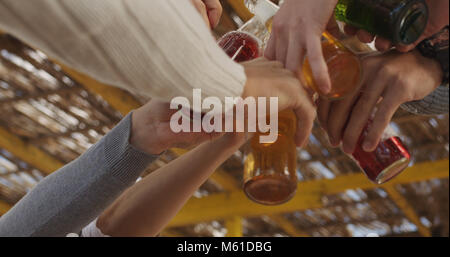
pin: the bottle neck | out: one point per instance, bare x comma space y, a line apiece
401, 21
411, 22
256, 28
259, 26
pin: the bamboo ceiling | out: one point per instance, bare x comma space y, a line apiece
59, 117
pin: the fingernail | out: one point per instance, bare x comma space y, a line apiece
325, 89
333, 142
367, 146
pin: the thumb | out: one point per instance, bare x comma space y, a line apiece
214, 9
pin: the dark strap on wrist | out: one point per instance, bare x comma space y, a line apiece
437, 47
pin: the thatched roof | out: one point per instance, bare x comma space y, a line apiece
44, 107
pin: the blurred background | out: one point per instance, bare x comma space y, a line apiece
51, 114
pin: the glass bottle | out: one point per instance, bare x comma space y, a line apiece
247, 43
401, 21
388, 160
344, 66
270, 176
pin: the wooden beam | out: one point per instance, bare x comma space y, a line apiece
4, 207
407, 209
41, 95
309, 194
240, 9
234, 226
287, 226
28, 152
229, 183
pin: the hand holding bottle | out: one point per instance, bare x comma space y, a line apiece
151, 132
296, 33
269, 79
389, 80
438, 19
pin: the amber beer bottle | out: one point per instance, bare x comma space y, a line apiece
401, 21
269, 168
343, 65
344, 68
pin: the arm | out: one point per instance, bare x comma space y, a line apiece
129, 44
71, 197
146, 208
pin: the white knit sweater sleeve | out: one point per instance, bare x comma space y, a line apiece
153, 48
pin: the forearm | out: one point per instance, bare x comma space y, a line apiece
71, 197
159, 49
146, 208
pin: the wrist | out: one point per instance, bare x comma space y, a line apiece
437, 48
145, 136
234, 139
433, 68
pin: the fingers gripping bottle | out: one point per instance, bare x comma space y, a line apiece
387, 161
344, 66
400, 21
270, 176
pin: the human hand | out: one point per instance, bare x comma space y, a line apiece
438, 19
269, 79
210, 10
296, 32
389, 80
151, 132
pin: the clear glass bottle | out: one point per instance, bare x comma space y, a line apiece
401, 21
270, 176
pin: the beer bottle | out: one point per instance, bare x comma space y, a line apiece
344, 67
400, 21
270, 176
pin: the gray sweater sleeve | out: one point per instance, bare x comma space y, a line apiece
73, 196
435, 103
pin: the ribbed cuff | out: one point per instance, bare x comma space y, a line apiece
125, 161
434, 104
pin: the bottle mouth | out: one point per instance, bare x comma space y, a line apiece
392, 171
412, 26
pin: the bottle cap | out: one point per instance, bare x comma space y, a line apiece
265, 10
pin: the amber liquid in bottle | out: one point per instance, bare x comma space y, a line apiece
270, 168
344, 69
